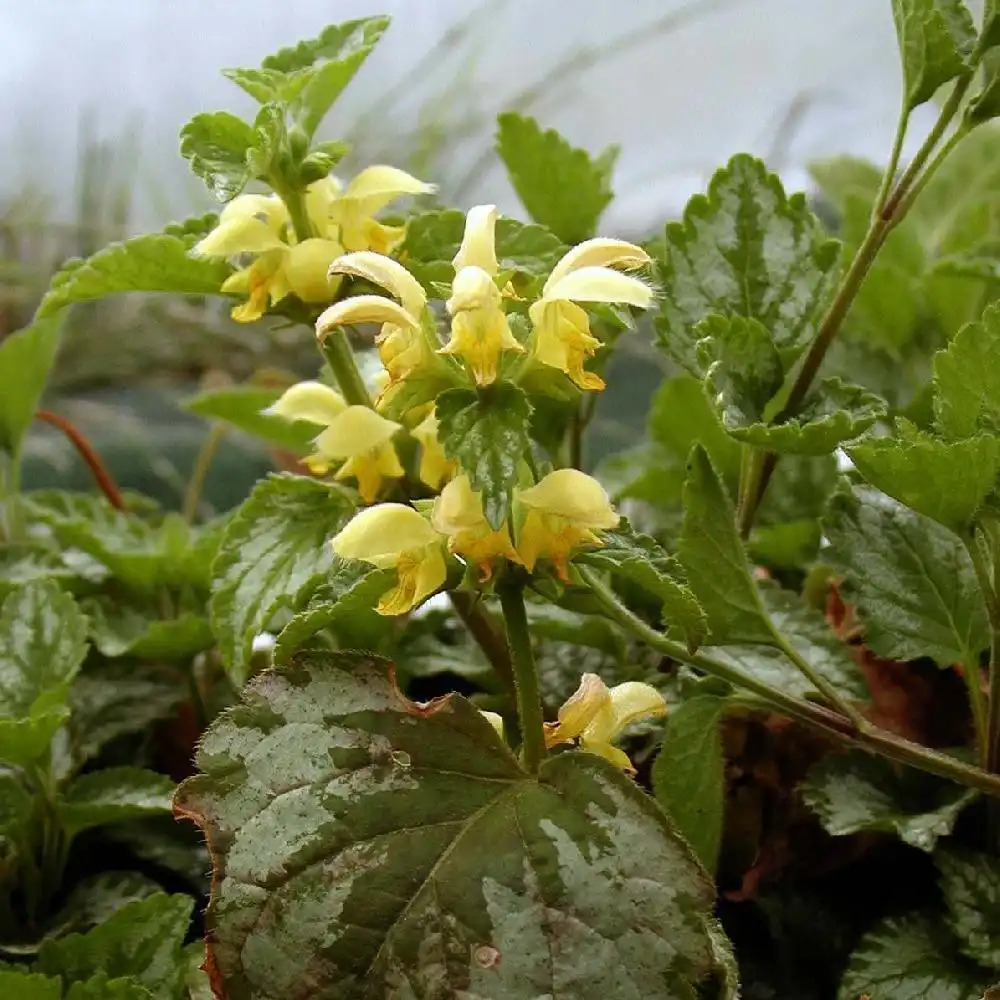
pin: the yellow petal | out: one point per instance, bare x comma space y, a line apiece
609, 752
363, 309
600, 284
421, 572
379, 535
478, 247
371, 469
354, 431
458, 508
239, 236
388, 274
495, 720
306, 269
579, 710
472, 288
574, 496
320, 198
312, 401
597, 253
563, 340
268, 207
376, 186
435, 467
634, 700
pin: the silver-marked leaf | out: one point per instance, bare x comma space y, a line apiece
911, 580
216, 144
746, 249
111, 795
368, 847
967, 380
274, 554
970, 884
120, 629
856, 792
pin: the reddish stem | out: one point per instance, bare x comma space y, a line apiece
97, 468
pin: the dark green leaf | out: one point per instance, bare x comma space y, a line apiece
744, 249
112, 795
970, 883
560, 186
857, 792
486, 432
241, 406
911, 958
166, 844
119, 629
26, 358
986, 104
157, 262
142, 940
29, 986
365, 845
274, 554
16, 806
712, 554
913, 466
102, 987
689, 774
833, 412
936, 38
967, 380
549, 621
97, 898
991, 24
912, 581
216, 143
644, 561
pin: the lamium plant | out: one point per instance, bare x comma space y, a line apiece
471, 716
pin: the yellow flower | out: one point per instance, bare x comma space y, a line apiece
562, 512
479, 327
392, 535
354, 437
596, 715
495, 720
562, 337
435, 467
458, 513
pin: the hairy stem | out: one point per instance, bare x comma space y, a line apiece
529, 702
987, 584
98, 469
196, 484
337, 350
296, 205
488, 637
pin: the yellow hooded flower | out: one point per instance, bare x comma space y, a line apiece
562, 512
596, 715
479, 327
354, 437
435, 467
392, 535
562, 337
458, 513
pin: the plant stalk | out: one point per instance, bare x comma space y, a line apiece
490, 640
296, 206
337, 350
987, 583
529, 701
98, 469
196, 484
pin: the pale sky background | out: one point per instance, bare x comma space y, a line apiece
679, 102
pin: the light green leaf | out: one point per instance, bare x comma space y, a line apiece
967, 380
745, 249
858, 792
216, 144
111, 795
274, 554
911, 958
712, 554
979, 262
157, 262
843, 179
911, 581
120, 629
970, 884
29, 986
102, 987
486, 432
456, 883
689, 774
833, 412
561, 187
241, 407
26, 358
641, 559
35, 561
912, 467
936, 38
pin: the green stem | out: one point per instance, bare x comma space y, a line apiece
868, 738
337, 350
987, 585
529, 702
196, 484
488, 637
296, 205
10, 495
897, 150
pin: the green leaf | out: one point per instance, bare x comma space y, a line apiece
912, 467
970, 883
986, 104
486, 432
120, 629
16, 806
101, 987
29, 986
365, 845
26, 358
34, 562
241, 406
843, 179
936, 38
550, 621
966, 380
97, 898
274, 554
112, 795
912, 581
560, 186
641, 559
142, 940
911, 958
157, 262
689, 774
216, 144
745, 249
712, 554
857, 792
